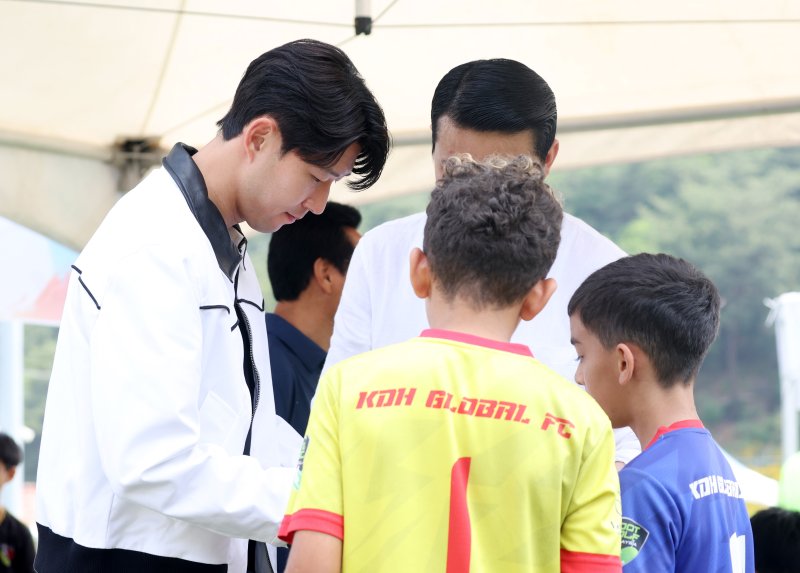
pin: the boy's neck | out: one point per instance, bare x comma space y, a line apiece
662, 408
458, 316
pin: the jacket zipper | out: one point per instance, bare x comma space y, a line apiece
256, 379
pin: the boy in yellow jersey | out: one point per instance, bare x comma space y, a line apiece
457, 451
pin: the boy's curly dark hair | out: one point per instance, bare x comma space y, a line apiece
493, 229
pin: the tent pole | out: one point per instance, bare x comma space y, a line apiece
786, 316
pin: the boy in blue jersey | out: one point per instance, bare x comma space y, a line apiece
642, 326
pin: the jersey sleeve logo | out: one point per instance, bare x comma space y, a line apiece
634, 536
6, 554
299, 474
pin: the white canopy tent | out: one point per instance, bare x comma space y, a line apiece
633, 80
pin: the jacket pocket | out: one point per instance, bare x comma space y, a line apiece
219, 423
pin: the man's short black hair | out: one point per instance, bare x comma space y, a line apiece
497, 95
493, 229
294, 248
776, 540
663, 304
10, 452
320, 103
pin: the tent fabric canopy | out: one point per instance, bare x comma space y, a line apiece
84, 74
633, 80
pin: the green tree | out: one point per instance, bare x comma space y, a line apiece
40, 347
738, 224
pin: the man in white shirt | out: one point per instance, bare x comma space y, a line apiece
482, 107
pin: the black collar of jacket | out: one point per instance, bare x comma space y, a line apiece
187, 176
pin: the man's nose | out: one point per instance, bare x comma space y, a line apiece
319, 198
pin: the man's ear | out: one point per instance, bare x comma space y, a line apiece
537, 297
550, 157
259, 133
420, 271
626, 363
322, 275
10, 472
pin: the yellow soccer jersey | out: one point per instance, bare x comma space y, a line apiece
458, 454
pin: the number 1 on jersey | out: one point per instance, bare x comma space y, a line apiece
459, 533
738, 544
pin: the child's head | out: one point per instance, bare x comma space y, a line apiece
10, 458
776, 540
492, 232
657, 306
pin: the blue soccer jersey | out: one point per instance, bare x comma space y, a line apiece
682, 508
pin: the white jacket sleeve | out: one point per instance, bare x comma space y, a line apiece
146, 365
352, 326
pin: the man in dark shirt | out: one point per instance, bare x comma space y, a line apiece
16, 543
307, 262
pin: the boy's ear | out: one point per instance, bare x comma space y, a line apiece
257, 133
626, 363
537, 297
420, 271
10, 472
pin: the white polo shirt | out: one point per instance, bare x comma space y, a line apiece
379, 307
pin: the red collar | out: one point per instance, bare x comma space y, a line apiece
477, 341
675, 426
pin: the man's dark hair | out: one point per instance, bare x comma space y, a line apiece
776, 540
493, 229
320, 103
10, 452
294, 248
497, 95
663, 304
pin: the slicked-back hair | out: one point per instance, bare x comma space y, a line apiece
497, 95
776, 540
10, 452
294, 248
320, 103
663, 304
493, 230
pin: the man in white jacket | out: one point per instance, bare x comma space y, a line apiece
161, 451
482, 107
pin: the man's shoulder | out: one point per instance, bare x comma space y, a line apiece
577, 233
153, 215
582, 251
394, 231
281, 341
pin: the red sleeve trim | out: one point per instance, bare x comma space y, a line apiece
311, 520
576, 562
